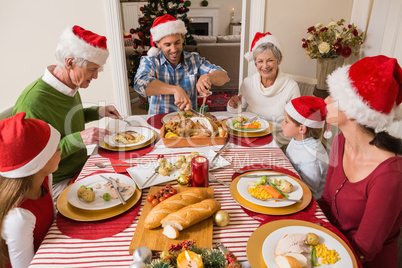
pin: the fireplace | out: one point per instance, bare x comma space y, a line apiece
205, 20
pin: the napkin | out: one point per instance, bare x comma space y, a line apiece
126, 154
117, 168
251, 142
156, 120
97, 229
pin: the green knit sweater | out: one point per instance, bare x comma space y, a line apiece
66, 114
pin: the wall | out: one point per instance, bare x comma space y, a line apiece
29, 33
288, 20
225, 7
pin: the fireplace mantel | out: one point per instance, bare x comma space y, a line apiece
199, 14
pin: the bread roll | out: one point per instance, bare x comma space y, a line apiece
173, 204
286, 262
192, 214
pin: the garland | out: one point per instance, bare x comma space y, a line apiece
212, 258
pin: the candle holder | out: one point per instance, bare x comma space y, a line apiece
189, 259
199, 171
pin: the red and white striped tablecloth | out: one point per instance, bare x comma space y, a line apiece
59, 250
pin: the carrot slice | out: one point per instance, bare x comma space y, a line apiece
271, 190
251, 126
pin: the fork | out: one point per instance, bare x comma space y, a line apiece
156, 171
244, 171
204, 99
213, 179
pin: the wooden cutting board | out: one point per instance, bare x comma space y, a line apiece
156, 241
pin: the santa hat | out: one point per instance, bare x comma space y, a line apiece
369, 91
307, 110
80, 43
261, 38
164, 26
26, 145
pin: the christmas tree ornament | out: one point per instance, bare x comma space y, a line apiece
138, 264
184, 180
142, 8
142, 254
190, 20
187, 3
204, 3
132, 31
222, 218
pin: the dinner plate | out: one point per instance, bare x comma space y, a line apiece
262, 242
264, 126
146, 132
166, 118
92, 181
106, 146
242, 188
71, 212
258, 134
141, 173
306, 198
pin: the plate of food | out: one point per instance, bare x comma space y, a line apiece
292, 244
95, 193
170, 168
129, 137
260, 186
269, 246
246, 124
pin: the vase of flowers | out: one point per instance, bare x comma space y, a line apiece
330, 45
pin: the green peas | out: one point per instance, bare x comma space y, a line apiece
106, 197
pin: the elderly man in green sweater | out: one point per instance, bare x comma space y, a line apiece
54, 98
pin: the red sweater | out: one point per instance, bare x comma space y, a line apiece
367, 212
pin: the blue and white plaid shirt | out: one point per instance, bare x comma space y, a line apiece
184, 75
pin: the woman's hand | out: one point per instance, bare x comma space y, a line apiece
181, 99
235, 101
109, 111
93, 135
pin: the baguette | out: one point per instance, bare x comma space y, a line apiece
191, 215
173, 204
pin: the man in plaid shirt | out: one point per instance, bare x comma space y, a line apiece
171, 77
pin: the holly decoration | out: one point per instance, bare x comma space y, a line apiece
152, 10
212, 258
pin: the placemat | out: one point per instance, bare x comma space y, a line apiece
251, 142
126, 154
156, 120
120, 169
309, 210
97, 229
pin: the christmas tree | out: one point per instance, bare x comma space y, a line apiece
142, 40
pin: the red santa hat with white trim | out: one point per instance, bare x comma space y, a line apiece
369, 91
307, 110
26, 145
261, 38
163, 26
77, 42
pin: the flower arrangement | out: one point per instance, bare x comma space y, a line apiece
332, 40
212, 258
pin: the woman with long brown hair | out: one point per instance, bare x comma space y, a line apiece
29, 154
362, 194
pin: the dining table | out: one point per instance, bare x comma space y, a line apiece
67, 245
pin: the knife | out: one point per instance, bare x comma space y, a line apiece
219, 152
266, 175
281, 199
116, 187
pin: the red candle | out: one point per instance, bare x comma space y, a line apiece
199, 171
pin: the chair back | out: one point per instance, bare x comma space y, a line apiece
6, 112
